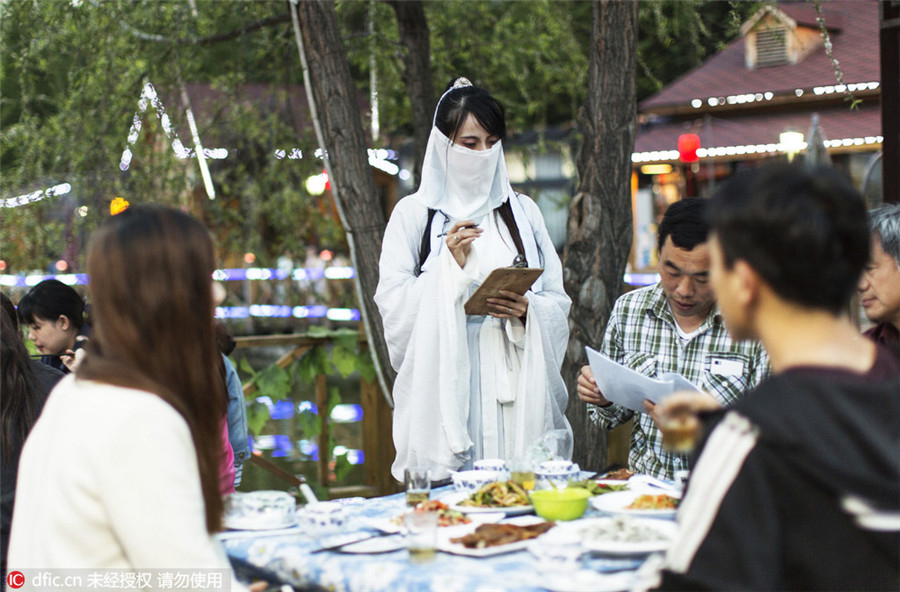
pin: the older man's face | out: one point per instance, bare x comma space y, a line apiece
879, 287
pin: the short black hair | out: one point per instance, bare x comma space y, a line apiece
51, 299
685, 221
803, 230
456, 105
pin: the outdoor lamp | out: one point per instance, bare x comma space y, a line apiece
791, 143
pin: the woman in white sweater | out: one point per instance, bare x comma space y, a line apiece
121, 469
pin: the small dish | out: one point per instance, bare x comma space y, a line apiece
323, 517
259, 510
556, 473
472, 481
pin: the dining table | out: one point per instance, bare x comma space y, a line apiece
303, 558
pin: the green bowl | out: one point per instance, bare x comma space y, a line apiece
560, 504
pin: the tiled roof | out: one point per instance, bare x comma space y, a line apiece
855, 47
837, 122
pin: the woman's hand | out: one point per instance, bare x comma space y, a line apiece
460, 238
511, 306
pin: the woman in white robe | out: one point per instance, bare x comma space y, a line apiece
470, 387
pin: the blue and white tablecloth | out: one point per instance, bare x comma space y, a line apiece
287, 553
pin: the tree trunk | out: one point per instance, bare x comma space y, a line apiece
600, 232
414, 35
338, 118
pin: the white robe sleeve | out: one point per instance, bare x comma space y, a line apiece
424, 325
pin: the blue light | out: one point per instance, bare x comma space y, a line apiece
347, 413
641, 279
270, 311
354, 457
343, 314
307, 407
309, 448
282, 410
278, 409
272, 442
232, 312
303, 312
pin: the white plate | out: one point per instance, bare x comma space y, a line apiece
253, 523
390, 525
585, 531
612, 481
585, 580
377, 545
617, 502
452, 532
453, 503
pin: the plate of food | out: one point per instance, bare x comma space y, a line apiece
637, 504
600, 486
619, 475
485, 540
618, 535
500, 496
446, 517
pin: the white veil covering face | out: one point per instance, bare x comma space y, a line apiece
464, 184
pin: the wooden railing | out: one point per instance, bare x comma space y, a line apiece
378, 447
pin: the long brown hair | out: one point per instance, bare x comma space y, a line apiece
18, 407
152, 307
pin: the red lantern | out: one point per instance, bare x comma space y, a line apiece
688, 144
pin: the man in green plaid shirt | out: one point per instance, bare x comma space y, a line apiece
673, 326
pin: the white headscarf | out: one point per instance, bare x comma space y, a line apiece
465, 184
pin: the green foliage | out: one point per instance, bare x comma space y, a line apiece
677, 35
344, 356
72, 77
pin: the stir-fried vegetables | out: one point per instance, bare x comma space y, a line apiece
500, 494
653, 502
596, 488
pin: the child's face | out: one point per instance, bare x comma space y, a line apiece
52, 337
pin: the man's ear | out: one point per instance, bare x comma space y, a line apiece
747, 281
64, 322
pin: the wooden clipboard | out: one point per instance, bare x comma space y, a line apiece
514, 279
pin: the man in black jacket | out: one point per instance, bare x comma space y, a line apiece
797, 485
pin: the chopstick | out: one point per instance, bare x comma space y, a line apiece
49, 355
352, 542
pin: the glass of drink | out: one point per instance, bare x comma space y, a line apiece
680, 432
521, 471
421, 535
417, 482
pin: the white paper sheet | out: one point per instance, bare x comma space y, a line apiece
629, 388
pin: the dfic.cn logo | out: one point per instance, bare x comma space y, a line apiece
15, 579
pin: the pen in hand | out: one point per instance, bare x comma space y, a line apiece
461, 228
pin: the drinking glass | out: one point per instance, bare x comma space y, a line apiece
680, 431
521, 471
417, 482
421, 535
